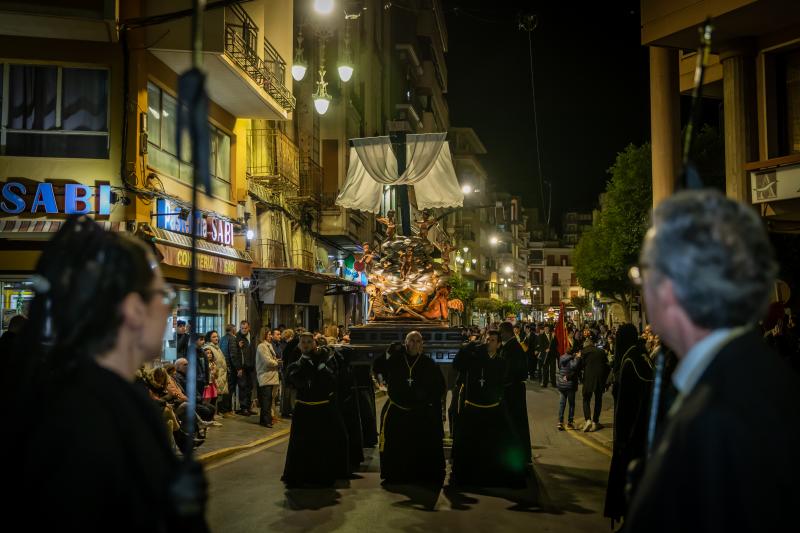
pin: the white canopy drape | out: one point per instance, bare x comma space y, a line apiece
429, 168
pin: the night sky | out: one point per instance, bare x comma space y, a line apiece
592, 95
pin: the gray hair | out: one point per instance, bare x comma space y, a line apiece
717, 254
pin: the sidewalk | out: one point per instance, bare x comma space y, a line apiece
238, 433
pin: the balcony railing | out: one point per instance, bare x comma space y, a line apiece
241, 38
272, 159
310, 188
270, 253
303, 259
328, 200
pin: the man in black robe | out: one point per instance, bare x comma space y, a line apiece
411, 435
347, 403
514, 394
486, 451
318, 446
726, 458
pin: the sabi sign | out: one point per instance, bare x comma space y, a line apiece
210, 228
26, 197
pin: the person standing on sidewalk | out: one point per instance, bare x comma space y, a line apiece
230, 350
595, 373
221, 367
245, 364
267, 373
549, 357
567, 384
289, 354
726, 459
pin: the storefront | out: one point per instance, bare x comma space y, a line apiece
220, 271
294, 297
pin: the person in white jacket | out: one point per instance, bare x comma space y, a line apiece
268, 380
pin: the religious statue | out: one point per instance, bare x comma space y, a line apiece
446, 248
366, 258
426, 223
391, 225
406, 263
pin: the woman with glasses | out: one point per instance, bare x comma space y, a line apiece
96, 454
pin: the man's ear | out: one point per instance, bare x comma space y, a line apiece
134, 310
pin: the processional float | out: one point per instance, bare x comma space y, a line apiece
406, 281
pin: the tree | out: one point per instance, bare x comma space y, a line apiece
463, 290
581, 303
509, 307
486, 306
607, 250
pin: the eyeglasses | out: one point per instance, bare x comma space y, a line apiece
168, 295
636, 274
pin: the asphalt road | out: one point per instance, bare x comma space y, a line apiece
565, 493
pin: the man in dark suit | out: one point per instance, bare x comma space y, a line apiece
516, 375
245, 366
725, 455
549, 357
594, 363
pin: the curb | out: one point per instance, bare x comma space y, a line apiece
210, 457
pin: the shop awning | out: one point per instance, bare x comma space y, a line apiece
28, 229
175, 250
333, 284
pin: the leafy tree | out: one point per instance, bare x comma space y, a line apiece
464, 291
582, 304
606, 251
509, 307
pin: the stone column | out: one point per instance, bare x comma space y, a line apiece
739, 103
665, 106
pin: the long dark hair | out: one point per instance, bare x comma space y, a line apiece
81, 279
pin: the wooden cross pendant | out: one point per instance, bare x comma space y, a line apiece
410, 381
482, 382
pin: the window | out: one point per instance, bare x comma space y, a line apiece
166, 156
564, 260
555, 297
789, 68
573, 280
551, 260
54, 111
555, 278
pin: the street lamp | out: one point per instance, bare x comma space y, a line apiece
466, 188
466, 249
493, 240
324, 7
322, 100
508, 269
245, 283
299, 66
346, 63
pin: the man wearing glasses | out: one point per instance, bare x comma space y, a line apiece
724, 458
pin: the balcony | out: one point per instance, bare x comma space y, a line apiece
310, 187
269, 253
273, 160
303, 260
240, 80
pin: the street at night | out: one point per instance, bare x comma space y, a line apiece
400, 265
566, 494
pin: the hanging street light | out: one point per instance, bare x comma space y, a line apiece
346, 63
322, 100
299, 66
466, 188
324, 7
